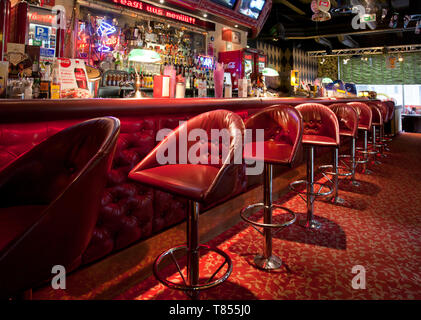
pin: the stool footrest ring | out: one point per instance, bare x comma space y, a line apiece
342, 171
293, 187
210, 283
267, 225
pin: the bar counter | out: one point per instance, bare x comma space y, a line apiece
129, 212
15, 111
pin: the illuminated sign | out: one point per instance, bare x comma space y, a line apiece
248, 57
164, 13
262, 59
106, 29
42, 18
206, 62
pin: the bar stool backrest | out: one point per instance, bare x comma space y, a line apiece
383, 109
229, 152
347, 117
319, 120
365, 115
391, 106
376, 112
281, 123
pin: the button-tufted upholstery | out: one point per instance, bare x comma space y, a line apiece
347, 118
207, 181
320, 125
365, 116
50, 198
283, 131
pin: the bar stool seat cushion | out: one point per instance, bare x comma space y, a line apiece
186, 180
321, 141
16, 220
274, 152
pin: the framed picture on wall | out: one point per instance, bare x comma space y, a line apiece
236, 37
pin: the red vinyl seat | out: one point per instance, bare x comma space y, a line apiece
191, 181
320, 125
49, 202
282, 127
204, 183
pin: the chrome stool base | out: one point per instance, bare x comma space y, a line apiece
193, 288
313, 224
191, 283
271, 263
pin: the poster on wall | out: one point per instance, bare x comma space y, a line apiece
390, 62
236, 37
73, 78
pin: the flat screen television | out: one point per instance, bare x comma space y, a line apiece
252, 8
226, 3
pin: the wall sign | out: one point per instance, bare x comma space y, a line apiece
142, 6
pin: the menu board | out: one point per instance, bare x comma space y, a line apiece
252, 8
226, 3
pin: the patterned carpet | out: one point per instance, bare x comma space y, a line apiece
379, 228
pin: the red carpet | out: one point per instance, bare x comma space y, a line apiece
378, 228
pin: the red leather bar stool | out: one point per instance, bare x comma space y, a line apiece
377, 122
348, 127
203, 179
49, 203
283, 128
364, 124
391, 107
380, 137
320, 129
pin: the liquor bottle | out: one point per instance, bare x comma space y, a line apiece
142, 80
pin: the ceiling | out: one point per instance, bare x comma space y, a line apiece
289, 23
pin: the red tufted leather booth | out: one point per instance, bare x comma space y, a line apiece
50, 198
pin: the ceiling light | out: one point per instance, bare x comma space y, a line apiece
205, 15
161, 1
236, 26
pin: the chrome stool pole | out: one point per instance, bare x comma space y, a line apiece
354, 164
191, 283
310, 222
267, 260
335, 173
